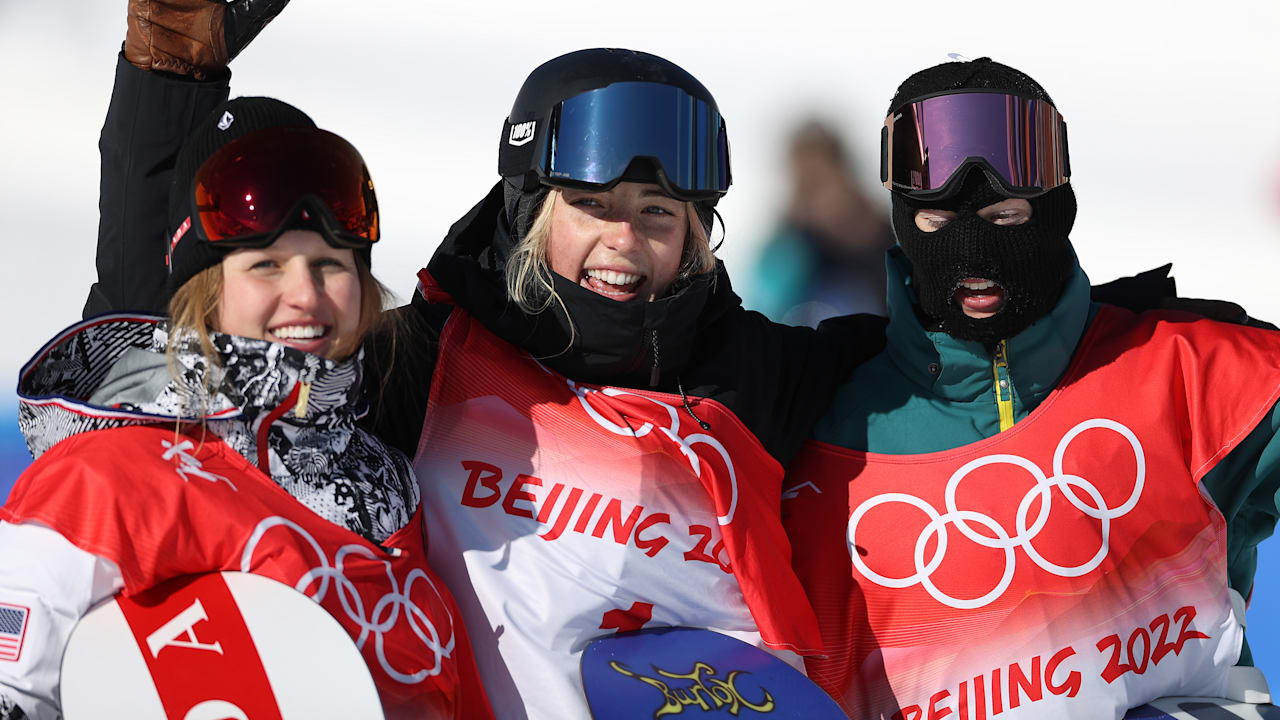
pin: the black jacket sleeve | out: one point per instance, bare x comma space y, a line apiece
150, 117
399, 362
779, 379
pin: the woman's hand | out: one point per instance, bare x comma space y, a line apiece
195, 38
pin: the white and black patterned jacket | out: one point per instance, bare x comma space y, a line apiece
111, 371
290, 413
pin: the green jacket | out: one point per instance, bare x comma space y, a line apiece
928, 392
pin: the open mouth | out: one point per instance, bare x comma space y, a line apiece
612, 284
979, 297
307, 338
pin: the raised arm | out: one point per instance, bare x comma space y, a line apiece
171, 73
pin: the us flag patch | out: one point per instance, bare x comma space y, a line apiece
13, 627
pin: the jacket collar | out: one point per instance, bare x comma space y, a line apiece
1037, 356
598, 340
111, 371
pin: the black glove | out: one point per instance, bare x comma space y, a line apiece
1144, 291
243, 21
1155, 290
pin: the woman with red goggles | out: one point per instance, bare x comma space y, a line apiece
178, 434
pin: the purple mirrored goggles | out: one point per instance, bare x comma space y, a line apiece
1020, 142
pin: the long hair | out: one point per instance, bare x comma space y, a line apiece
528, 276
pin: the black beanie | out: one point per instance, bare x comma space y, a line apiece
981, 74
231, 120
1031, 262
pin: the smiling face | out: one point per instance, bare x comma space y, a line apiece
978, 297
298, 291
624, 243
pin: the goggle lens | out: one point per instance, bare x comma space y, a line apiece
596, 135
251, 186
1020, 141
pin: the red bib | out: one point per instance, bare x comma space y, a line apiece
573, 511
161, 505
1069, 567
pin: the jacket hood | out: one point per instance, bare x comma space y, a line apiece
111, 371
290, 413
636, 344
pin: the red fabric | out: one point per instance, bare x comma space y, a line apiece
204, 508
756, 548
228, 670
1188, 391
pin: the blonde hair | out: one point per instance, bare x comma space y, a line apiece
529, 277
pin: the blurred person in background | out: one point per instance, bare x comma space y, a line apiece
1031, 503
826, 257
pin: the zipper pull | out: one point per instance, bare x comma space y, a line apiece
688, 408
304, 393
1004, 389
653, 374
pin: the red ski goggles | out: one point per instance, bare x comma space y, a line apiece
1020, 142
264, 183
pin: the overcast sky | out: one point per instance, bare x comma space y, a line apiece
1175, 145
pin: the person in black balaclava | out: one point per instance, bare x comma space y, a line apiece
1038, 480
1027, 258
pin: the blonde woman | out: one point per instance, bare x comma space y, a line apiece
162, 445
602, 429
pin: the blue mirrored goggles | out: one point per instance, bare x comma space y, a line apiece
638, 131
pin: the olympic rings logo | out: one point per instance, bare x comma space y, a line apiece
1000, 538
384, 615
672, 433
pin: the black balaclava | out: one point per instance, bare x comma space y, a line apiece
1031, 261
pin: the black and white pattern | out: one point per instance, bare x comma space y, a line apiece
54, 383
9, 710
321, 458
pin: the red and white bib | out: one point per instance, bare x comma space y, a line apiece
161, 505
1069, 567
574, 511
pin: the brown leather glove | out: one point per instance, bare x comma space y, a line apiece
196, 38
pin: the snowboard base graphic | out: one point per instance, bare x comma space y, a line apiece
211, 647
